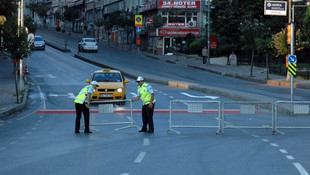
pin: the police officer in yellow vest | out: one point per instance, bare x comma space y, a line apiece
82, 102
146, 94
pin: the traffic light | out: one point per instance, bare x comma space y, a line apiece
288, 34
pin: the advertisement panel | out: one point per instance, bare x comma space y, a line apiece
179, 4
277, 8
178, 32
213, 42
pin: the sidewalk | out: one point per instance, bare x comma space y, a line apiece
8, 99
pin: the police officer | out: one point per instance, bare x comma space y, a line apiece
82, 103
146, 94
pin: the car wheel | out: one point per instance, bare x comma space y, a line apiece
96, 51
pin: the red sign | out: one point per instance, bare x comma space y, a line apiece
179, 4
138, 41
149, 6
213, 42
178, 32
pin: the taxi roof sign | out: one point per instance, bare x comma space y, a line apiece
106, 70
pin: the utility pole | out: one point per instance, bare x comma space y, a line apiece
208, 32
21, 25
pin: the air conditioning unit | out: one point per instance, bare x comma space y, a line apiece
191, 24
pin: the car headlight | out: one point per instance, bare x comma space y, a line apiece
119, 89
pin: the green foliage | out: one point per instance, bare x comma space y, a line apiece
195, 47
15, 39
279, 43
99, 22
70, 14
306, 24
157, 21
30, 24
190, 37
8, 8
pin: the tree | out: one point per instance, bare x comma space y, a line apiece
306, 24
99, 23
109, 22
157, 21
70, 15
16, 43
30, 24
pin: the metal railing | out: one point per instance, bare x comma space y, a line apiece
247, 114
194, 114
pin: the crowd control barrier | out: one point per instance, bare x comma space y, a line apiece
194, 114
292, 114
116, 112
247, 114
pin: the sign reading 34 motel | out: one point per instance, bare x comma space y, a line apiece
179, 4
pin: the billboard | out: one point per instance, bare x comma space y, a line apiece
277, 8
179, 4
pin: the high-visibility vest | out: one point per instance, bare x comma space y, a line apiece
145, 96
82, 95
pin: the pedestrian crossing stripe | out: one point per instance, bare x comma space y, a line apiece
292, 67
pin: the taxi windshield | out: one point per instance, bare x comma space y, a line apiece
107, 77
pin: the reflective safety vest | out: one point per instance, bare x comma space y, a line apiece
145, 95
82, 95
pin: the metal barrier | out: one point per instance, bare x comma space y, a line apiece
194, 114
294, 114
247, 114
116, 112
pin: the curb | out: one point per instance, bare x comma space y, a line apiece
58, 48
16, 107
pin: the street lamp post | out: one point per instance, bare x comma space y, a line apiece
291, 20
208, 32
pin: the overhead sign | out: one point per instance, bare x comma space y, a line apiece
138, 20
179, 4
292, 59
276, 8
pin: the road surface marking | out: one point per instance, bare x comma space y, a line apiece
22, 137
255, 136
133, 94
265, 140
273, 144
171, 97
1, 124
36, 125
12, 143
283, 151
140, 157
125, 174
34, 128
290, 157
194, 96
41, 94
146, 142
301, 169
2, 148
165, 94
29, 132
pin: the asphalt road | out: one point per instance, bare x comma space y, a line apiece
44, 143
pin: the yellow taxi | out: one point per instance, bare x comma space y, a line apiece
112, 85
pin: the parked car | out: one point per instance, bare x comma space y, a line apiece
112, 85
88, 44
39, 43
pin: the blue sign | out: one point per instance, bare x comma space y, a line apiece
292, 59
138, 29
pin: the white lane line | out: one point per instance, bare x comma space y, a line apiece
290, 157
146, 142
194, 96
265, 140
29, 132
22, 137
256, 136
2, 148
41, 116
171, 97
245, 132
301, 169
12, 143
133, 94
283, 151
273, 144
41, 94
164, 94
1, 124
140, 157
125, 174
39, 121
34, 128
36, 125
